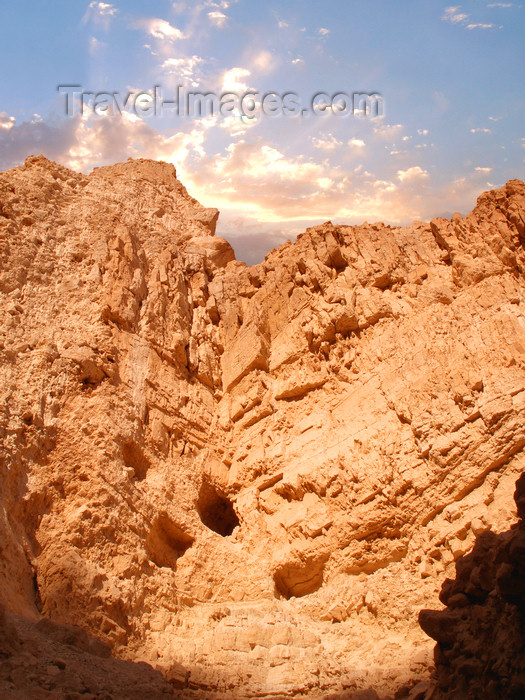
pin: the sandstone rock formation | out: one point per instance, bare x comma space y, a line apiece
481, 635
251, 478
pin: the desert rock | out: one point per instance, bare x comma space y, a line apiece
257, 474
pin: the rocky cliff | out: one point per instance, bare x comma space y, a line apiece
252, 478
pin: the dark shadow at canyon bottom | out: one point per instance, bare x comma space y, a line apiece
480, 651
45, 659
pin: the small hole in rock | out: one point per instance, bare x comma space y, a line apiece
216, 511
167, 542
299, 579
36, 589
134, 457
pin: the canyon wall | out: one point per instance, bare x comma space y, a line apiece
253, 478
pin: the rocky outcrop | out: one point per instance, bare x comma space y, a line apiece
481, 634
258, 473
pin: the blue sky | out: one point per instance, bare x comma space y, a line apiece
452, 78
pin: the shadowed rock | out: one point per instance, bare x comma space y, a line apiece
481, 634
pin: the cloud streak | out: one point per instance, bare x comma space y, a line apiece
453, 14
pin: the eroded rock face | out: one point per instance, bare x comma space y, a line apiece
258, 473
481, 634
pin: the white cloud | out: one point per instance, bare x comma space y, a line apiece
323, 31
104, 8
98, 141
453, 14
326, 143
159, 28
97, 10
483, 170
100, 13
263, 182
268, 185
480, 130
219, 4
264, 62
236, 126
282, 24
6, 121
217, 18
422, 132
387, 131
232, 80
384, 185
412, 174
297, 61
184, 68
325, 182
264, 160
356, 143
180, 6
82, 143
501, 4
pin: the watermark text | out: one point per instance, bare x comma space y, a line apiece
249, 105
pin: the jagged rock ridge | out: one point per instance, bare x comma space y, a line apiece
258, 473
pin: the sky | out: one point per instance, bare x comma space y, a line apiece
451, 80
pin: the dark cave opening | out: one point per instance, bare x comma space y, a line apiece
216, 511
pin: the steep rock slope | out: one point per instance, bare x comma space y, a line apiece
257, 473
